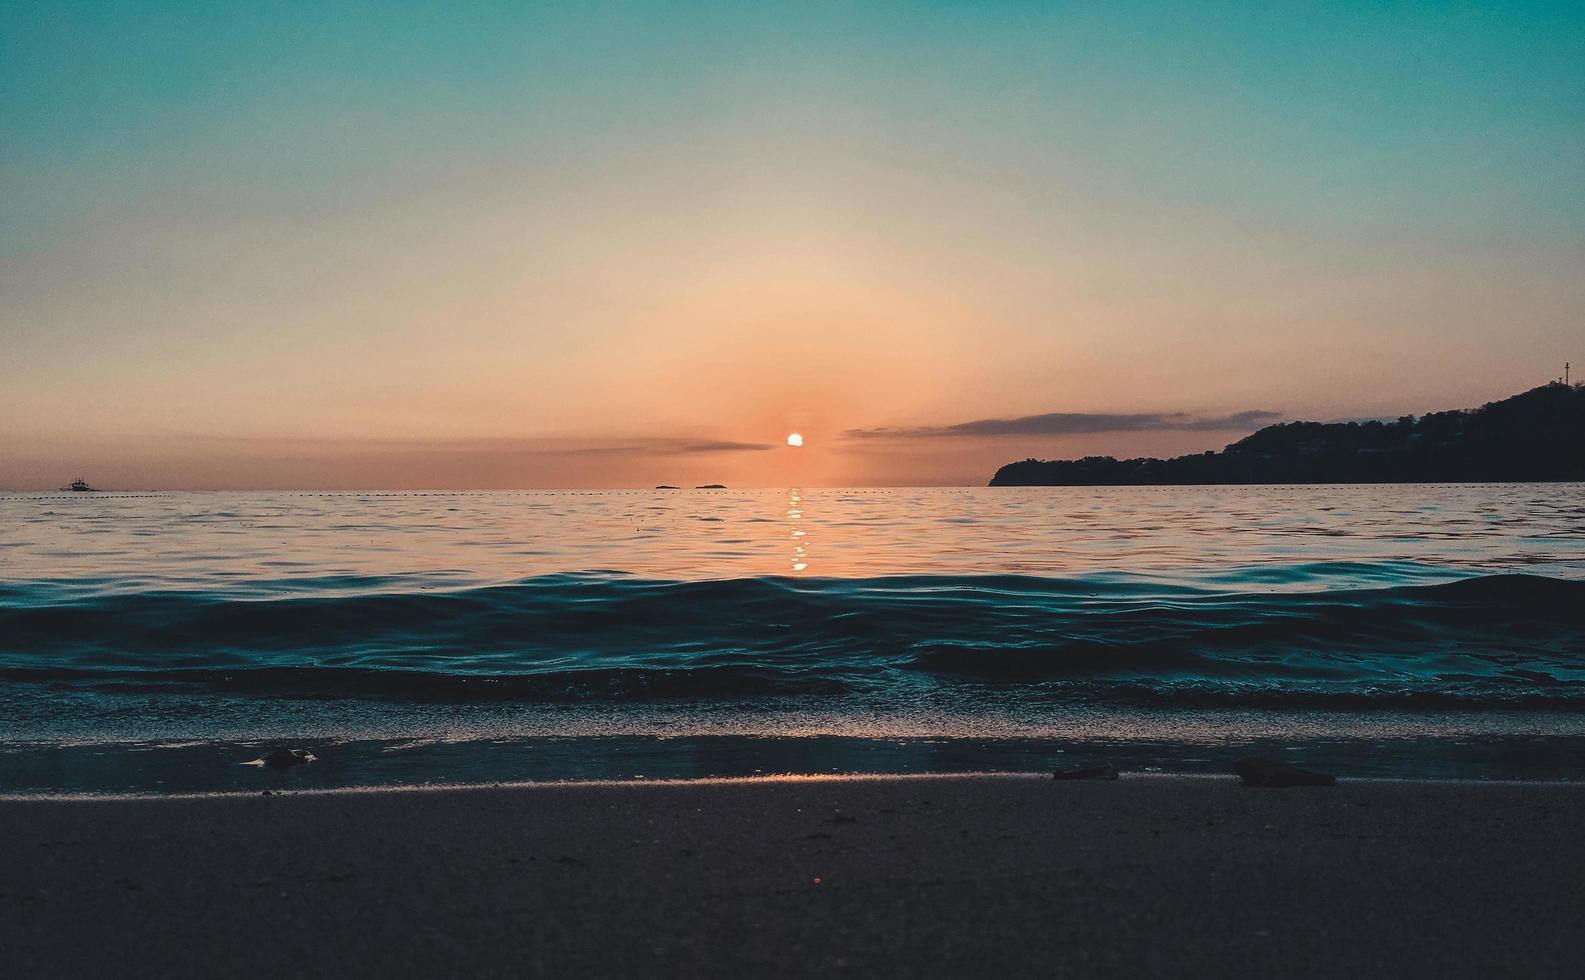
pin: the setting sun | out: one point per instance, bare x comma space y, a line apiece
795, 439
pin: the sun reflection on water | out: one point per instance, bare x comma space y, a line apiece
795, 533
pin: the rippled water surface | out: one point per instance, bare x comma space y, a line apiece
1222, 537
1017, 620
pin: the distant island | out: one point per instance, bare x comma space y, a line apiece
1535, 436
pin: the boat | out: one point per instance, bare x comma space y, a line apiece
80, 485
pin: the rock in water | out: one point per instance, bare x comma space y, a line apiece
1093, 772
1275, 775
287, 758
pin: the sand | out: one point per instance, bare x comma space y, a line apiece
919, 877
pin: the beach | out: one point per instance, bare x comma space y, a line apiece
764, 490
793, 876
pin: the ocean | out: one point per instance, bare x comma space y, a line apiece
158, 643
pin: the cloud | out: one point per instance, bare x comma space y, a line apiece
1251, 419
660, 447
1078, 423
722, 447
488, 446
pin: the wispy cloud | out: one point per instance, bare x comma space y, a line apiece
1078, 423
659, 447
722, 447
609, 446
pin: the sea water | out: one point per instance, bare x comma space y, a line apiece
156, 642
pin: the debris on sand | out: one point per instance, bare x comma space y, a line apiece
283, 759
1276, 775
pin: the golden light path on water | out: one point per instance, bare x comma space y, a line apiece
796, 532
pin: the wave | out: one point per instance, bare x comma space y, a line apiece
1499, 638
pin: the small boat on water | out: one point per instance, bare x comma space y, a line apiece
81, 486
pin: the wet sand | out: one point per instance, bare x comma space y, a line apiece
929, 876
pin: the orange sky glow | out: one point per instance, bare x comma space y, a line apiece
562, 249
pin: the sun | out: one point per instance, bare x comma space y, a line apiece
795, 439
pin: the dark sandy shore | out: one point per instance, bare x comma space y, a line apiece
951, 876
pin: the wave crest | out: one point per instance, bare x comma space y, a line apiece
1505, 638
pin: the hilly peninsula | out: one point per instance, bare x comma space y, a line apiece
1535, 436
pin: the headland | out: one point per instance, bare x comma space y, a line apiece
1535, 436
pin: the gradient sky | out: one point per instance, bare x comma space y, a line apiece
474, 245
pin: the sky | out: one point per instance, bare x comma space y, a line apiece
461, 245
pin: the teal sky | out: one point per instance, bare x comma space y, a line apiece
471, 244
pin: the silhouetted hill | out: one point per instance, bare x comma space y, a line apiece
1538, 435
